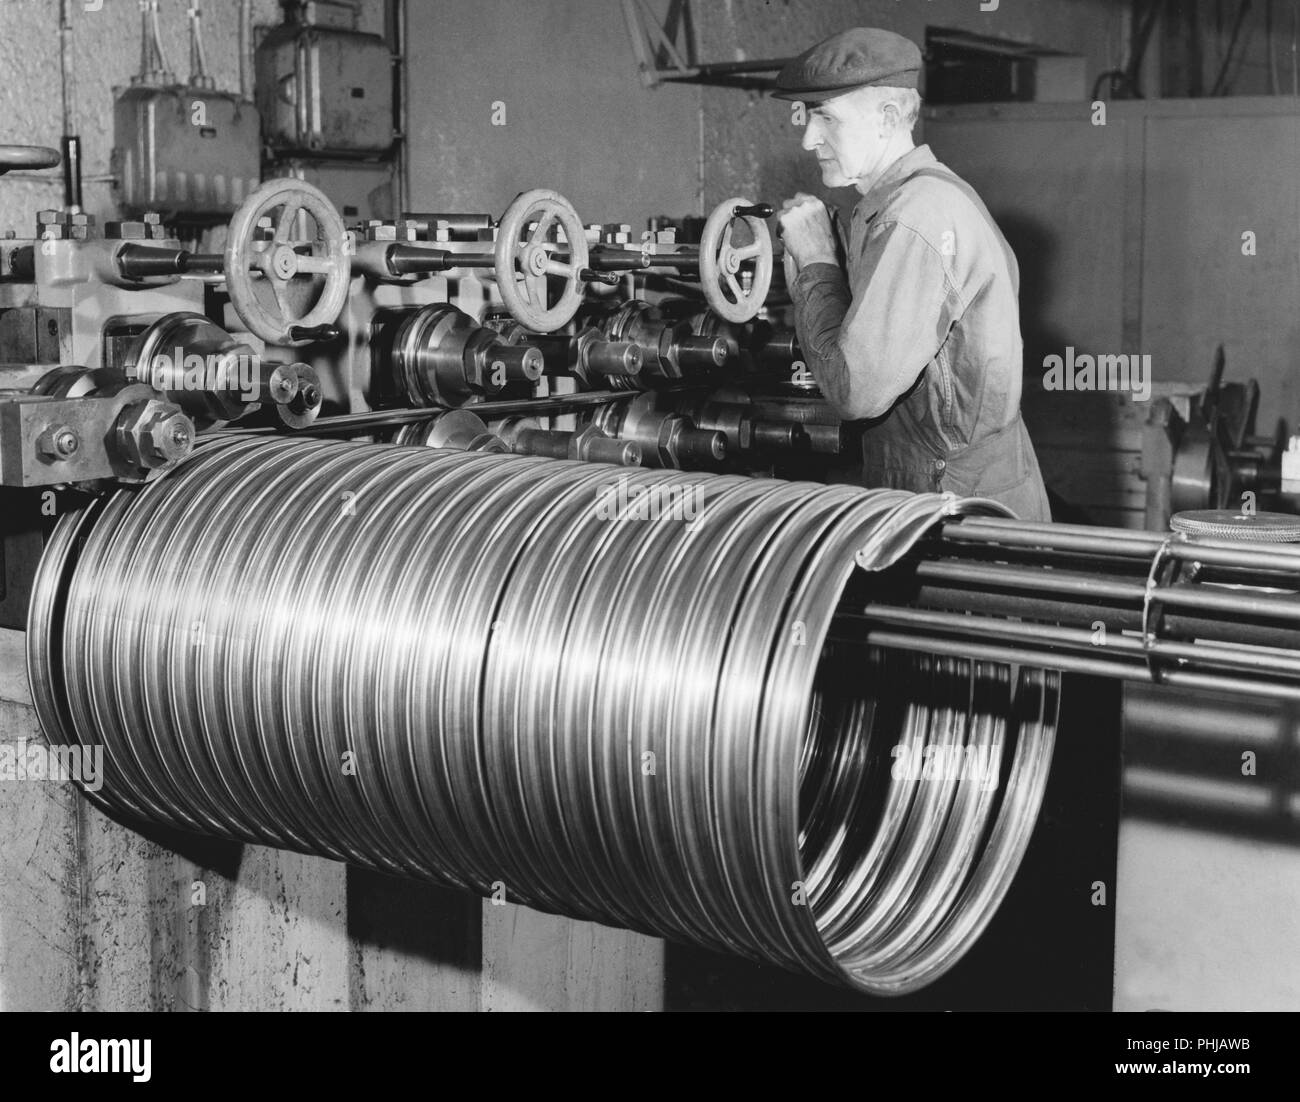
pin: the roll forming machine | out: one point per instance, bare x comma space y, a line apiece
436, 546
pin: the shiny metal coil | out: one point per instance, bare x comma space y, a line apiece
608, 693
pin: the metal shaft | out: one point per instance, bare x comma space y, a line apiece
1133, 605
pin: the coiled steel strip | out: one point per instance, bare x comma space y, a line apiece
498, 672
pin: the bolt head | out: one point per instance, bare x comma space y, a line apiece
58, 442
126, 231
285, 262
282, 385
170, 438
153, 434
535, 260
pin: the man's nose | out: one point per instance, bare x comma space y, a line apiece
811, 135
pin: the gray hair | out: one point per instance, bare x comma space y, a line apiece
907, 100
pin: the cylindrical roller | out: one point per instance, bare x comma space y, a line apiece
138, 262
441, 356
778, 437
516, 363
457, 223
607, 694
456, 428
543, 442
668, 348
524, 436
601, 449
404, 259
824, 439
700, 351
614, 358
691, 446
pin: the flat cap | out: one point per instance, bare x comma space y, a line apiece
851, 59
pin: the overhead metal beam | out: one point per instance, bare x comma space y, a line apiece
662, 58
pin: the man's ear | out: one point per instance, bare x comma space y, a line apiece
891, 114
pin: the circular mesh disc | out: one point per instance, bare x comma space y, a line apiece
1227, 524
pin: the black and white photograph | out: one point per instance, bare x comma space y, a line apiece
640, 506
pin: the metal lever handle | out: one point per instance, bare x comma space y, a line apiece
589, 275
314, 332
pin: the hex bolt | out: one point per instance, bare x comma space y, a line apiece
153, 433
126, 231
282, 384
309, 396
58, 442
167, 438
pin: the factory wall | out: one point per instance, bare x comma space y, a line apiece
1254, 49
618, 150
621, 151
548, 96
750, 142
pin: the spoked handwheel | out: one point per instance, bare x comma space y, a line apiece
525, 263
288, 263
723, 260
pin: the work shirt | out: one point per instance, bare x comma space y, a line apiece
925, 330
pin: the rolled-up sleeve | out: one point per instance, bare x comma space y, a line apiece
867, 349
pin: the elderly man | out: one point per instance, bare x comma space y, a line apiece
918, 331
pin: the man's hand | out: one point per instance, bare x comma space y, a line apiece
807, 233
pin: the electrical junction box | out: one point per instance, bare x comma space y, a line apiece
359, 190
184, 151
324, 91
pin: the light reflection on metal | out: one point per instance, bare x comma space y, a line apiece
453, 666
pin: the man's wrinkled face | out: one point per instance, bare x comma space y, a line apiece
848, 134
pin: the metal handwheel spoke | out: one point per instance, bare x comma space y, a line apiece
538, 234
285, 224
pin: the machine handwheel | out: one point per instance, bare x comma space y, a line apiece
291, 275
721, 262
524, 263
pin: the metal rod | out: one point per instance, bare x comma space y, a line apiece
1085, 641
1037, 580
364, 422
